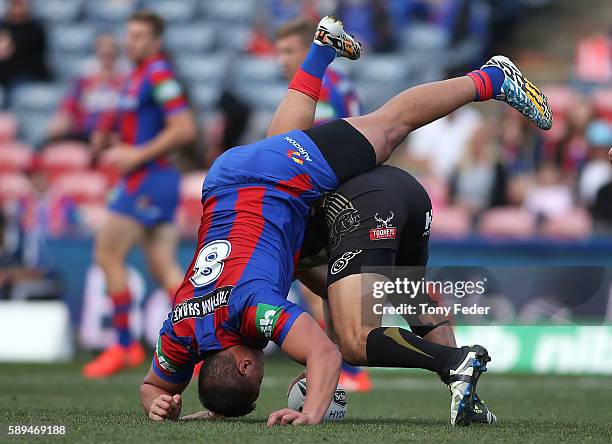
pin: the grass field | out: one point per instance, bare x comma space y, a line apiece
403, 407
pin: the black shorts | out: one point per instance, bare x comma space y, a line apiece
380, 218
345, 149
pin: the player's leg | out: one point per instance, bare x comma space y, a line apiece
363, 344
388, 126
313, 289
160, 245
113, 243
297, 109
499, 78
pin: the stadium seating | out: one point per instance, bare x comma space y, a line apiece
33, 125
204, 96
68, 66
603, 103
424, 37
8, 128
256, 71
574, 225
382, 70
560, 98
264, 97
71, 38
181, 12
190, 38
60, 158
14, 186
109, 12
15, 157
507, 222
82, 187
37, 96
58, 11
437, 190
451, 222
229, 12
209, 69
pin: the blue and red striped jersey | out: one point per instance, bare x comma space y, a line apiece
337, 98
150, 94
255, 202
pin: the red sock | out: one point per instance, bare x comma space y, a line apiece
482, 82
306, 84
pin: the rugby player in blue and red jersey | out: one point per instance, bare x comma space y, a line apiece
153, 119
256, 199
337, 100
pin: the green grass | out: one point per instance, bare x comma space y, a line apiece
403, 407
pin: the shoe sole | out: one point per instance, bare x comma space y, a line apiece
466, 405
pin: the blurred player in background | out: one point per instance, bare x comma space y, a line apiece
91, 96
337, 100
153, 119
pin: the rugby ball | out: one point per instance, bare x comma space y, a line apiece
336, 410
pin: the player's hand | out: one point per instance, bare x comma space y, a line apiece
125, 158
292, 383
288, 416
166, 407
201, 415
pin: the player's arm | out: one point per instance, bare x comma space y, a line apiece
179, 131
161, 399
307, 344
170, 373
180, 127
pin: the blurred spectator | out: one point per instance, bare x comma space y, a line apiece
521, 144
22, 46
369, 21
602, 210
594, 59
439, 146
233, 120
260, 43
23, 271
550, 196
90, 96
479, 181
574, 148
597, 172
463, 22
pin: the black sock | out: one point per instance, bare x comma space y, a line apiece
397, 347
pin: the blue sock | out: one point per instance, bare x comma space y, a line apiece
497, 77
350, 369
318, 59
122, 302
488, 82
125, 337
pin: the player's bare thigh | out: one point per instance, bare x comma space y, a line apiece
351, 314
160, 245
114, 241
116, 238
